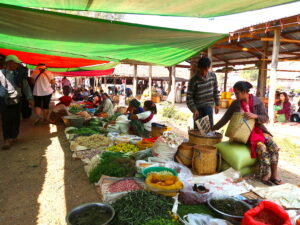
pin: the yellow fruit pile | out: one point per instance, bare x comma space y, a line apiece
124, 147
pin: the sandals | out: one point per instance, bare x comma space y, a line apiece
267, 182
275, 181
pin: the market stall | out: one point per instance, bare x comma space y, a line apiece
170, 180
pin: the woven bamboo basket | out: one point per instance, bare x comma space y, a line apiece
158, 131
196, 138
206, 160
239, 129
184, 154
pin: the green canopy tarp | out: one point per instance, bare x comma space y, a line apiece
192, 8
44, 32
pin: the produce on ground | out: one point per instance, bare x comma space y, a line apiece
139, 207
167, 185
75, 109
115, 164
124, 185
229, 206
268, 217
124, 147
92, 215
201, 209
93, 141
88, 130
162, 221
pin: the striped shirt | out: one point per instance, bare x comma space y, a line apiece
202, 91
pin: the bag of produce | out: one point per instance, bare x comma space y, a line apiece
244, 171
236, 155
167, 185
266, 213
202, 219
166, 145
114, 188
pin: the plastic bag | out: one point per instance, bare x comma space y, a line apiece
236, 155
202, 219
184, 174
267, 213
194, 197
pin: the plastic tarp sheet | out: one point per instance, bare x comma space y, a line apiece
58, 34
195, 8
51, 60
93, 73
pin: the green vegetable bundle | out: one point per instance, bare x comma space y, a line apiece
115, 164
75, 109
201, 209
140, 207
88, 130
162, 221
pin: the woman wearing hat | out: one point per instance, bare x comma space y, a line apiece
12, 84
134, 107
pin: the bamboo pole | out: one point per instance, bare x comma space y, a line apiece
262, 79
273, 75
134, 91
150, 82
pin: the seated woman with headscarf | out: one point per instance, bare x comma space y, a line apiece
141, 123
260, 141
134, 107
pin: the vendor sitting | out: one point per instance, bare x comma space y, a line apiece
141, 123
77, 96
106, 105
60, 108
261, 143
134, 107
283, 108
97, 99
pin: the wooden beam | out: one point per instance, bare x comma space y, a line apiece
273, 75
295, 44
235, 47
262, 79
134, 81
281, 40
225, 78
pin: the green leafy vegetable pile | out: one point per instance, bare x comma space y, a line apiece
162, 221
88, 130
115, 164
201, 209
140, 207
74, 109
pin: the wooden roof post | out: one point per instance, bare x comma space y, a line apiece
210, 56
150, 82
225, 77
105, 85
134, 81
173, 87
262, 78
273, 75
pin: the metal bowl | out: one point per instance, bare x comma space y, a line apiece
109, 209
231, 218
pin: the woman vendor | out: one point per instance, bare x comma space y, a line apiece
262, 146
134, 107
141, 123
283, 108
106, 105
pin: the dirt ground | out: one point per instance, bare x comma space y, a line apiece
39, 181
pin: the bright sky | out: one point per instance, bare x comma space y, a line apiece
222, 24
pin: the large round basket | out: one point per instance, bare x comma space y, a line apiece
196, 138
184, 154
205, 160
158, 131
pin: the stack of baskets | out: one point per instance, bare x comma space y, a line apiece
200, 154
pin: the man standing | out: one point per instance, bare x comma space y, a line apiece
203, 92
12, 85
42, 92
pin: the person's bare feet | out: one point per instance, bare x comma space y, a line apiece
276, 181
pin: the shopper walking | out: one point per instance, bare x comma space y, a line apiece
12, 85
203, 92
42, 92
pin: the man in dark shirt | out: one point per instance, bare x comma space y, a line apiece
202, 93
